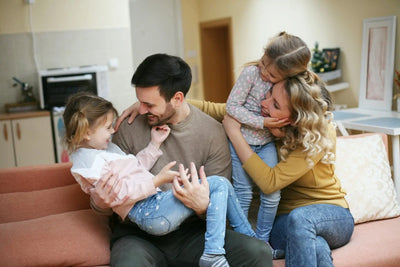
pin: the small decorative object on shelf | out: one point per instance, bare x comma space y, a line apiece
325, 64
332, 55
325, 60
396, 96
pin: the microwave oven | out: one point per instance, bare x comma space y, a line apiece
56, 85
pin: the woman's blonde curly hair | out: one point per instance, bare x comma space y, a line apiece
311, 116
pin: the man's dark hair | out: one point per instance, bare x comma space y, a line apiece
170, 73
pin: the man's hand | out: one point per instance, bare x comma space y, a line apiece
132, 112
104, 194
193, 194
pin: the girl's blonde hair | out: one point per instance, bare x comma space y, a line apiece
84, 111
288, 53
310, 109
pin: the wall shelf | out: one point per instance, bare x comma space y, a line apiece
337, 87
331, 76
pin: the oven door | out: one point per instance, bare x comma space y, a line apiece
57, 89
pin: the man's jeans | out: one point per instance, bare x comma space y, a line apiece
243, 185
308, 234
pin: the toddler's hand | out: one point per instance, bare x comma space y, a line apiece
166, 175
159, 134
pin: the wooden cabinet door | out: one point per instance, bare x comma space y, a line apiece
33, 141
7, 158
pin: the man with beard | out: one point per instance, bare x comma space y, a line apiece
161, 82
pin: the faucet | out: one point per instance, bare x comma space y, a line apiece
26, 91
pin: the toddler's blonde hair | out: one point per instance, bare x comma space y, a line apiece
84, 111
289, 54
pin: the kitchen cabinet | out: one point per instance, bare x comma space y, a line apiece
6, 145
26, 139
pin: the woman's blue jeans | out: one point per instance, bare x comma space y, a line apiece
308, 233
162, 213
243, 185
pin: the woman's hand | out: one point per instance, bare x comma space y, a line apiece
192, 194
132, 112
159, 134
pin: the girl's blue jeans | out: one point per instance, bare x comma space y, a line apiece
308, 233
243, 185
162, 213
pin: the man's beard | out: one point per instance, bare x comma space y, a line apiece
163, 119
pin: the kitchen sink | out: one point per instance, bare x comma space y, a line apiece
21, 107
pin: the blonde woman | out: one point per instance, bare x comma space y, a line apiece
313, 216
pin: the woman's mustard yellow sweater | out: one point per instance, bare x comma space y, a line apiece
299, 185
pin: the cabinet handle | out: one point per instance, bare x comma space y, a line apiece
5, 132
18, 131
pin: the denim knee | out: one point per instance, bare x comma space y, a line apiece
156, 225
298, 216
218, 183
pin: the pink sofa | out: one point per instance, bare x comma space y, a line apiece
45, 220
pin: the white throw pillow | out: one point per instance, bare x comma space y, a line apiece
363, 168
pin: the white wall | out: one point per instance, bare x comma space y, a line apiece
50, 15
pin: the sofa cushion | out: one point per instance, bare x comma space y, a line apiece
373, 244
30, 178
77, 238
30, 205
363, 168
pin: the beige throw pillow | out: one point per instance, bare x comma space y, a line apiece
363, 169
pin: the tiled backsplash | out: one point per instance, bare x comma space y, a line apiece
66, 49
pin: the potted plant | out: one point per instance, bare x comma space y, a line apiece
396, 96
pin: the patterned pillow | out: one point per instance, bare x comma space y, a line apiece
363, 169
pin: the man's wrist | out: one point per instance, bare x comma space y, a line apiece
202, 216
99, 210
202, 211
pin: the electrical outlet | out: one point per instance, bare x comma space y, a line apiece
29, 1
